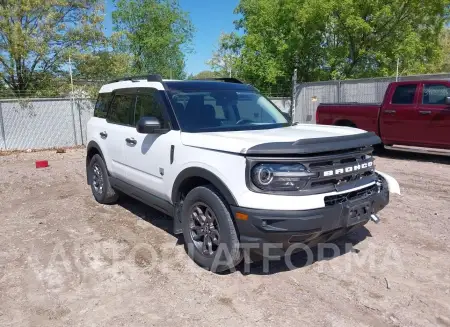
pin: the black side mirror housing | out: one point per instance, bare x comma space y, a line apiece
148, 125
447, 101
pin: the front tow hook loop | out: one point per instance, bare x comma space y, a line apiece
374, 218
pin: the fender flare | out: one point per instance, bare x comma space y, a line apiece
92, 145
207, 175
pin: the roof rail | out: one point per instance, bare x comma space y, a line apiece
222, 79
149, 78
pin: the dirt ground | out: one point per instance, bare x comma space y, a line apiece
67, 261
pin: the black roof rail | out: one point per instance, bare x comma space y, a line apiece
149, 78
222, 79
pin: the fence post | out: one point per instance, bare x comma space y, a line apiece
73, 122
2, 126
294, 88
81, 124
339, 92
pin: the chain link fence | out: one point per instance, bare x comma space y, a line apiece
308, 96
43, 123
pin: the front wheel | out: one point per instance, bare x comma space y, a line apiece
99, 181
209, 232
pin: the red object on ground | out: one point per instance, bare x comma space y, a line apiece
41, 163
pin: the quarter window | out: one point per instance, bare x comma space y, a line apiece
434, 94
404, 94
121, 108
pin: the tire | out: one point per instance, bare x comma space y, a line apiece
99, 180
222, 236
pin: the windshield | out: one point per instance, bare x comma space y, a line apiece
221, 110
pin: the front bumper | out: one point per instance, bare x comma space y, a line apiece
286, 227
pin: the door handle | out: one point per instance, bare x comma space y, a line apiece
390, 111
103, 135
131, 141
425, 112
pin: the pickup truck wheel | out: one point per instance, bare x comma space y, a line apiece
208, 229
99, 181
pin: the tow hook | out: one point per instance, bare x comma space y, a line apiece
374, 218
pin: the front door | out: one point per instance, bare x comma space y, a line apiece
437, 113
147, 156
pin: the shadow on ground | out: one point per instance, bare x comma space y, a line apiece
324, 251
258, 265
414, 155
150, 215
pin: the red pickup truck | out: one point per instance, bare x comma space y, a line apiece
412, 113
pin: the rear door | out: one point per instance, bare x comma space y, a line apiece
436, 112
400, 121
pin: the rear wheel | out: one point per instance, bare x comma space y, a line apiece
209, 232
99, 181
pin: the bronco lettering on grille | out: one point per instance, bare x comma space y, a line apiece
348, 169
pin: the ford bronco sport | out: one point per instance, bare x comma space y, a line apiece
226, 164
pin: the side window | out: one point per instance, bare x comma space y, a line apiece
101, 106
150, 104
122, 106
434, 94
404, 94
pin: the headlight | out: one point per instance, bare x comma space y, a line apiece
280, 177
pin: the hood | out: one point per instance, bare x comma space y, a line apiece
244, 142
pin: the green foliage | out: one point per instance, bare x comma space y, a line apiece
335, 39
205, 74
102, 65
156, 32
443, 64
225, 58
37, 36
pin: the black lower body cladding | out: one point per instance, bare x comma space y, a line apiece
283, 228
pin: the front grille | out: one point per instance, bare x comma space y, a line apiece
355, 195
326, 166
333, 171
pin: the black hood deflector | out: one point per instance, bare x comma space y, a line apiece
317, 145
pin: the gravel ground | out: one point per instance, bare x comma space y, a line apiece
66, 260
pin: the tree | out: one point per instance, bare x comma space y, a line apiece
102, 65
337, 39
443, 64
205, 74
37, 36
156, 32
225, 58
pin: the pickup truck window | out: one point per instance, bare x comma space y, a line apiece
404, 94
434, 94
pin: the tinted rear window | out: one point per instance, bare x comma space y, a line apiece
404, 94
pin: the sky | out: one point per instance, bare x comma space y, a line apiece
209, 17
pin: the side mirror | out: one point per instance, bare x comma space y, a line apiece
447, 100
148, 125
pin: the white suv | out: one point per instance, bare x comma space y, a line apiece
226, 164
